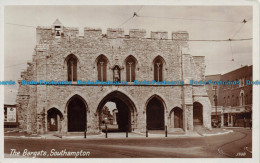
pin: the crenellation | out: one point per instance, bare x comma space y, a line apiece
43, 34
115, 33
92, 29
92, 33
46, 33
137, 33
159, 35
44, 27
71, 32
180, 35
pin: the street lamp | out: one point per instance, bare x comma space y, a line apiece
106, 125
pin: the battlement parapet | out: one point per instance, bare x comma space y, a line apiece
159, 35
43, 27
115, 33
180, 35
137, 33
112, 33
71, 28
92, 33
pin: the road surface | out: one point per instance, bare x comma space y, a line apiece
236, 145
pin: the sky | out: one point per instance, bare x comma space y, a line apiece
20, 41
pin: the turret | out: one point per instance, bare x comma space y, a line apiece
57, 29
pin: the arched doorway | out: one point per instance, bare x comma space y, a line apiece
176, 118
54, 118
77, 115
155, 114
197, 113
124, 112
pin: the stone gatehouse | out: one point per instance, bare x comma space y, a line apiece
63, 54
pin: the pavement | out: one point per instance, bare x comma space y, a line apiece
234, 144
118, 135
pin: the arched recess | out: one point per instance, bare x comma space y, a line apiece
116, 73
155, 113
126, 110
176, 118
101, 63
54, 118
131, 65
159, 68
197, 113
71, 63
76, 114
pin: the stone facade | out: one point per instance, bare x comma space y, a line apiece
50, 63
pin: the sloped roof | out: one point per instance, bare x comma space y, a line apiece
57, 22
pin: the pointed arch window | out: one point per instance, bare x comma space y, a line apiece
102, 68
158, 69
130, 69
72, 68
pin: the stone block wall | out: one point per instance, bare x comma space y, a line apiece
92, 33
115, 33
159, 35
180, 35
49, 64
58, 97
137, 33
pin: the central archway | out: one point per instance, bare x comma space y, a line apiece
155, 114
77, 115
126, 117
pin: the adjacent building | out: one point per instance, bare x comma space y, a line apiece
237, 99
234, 101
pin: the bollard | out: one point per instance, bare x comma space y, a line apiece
85, 133
146, 132
166, 131
106, 131
127, 133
